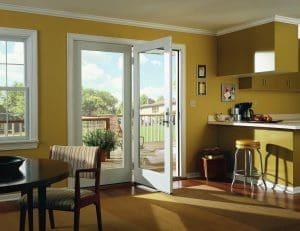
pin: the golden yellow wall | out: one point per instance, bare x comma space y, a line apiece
52, 38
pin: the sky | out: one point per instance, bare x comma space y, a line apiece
104, 71
11, 63
100, 70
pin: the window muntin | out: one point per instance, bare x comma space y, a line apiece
18, 89
13, 97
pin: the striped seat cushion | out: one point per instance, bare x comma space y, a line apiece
57, 198
79, 157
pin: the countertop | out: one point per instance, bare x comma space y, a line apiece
289, 121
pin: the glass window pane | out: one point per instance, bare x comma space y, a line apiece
2, 127
15, 75
15, 52
2, 103
2, 75
2, 52
16, 103
15, 125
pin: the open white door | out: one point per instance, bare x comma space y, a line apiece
152, 109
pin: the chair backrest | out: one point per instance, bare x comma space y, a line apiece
79, 157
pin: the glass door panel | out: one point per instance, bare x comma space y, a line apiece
102, 102
152, 106
105, 104
152, 110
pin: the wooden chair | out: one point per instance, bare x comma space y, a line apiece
84, 163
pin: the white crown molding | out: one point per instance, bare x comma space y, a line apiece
119, 21
245, 26
276, 18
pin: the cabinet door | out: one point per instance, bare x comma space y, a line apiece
265, 83
291, 83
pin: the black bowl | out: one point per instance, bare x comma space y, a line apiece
10, 164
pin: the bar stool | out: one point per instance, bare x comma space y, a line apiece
249, 147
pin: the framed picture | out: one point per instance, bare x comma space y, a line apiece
201, 87
201, 71
228, 92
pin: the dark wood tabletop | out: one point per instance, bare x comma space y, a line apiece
34, 173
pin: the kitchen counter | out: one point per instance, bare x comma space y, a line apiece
289, 121
292, 125
280, 147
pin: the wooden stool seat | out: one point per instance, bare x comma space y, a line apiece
252, 144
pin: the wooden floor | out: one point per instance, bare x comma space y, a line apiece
271, 197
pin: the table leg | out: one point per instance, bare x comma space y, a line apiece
30, 209
42, 207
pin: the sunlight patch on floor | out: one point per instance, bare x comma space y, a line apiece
230, 206
206, 187
163, 216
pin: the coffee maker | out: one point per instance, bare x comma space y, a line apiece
245, 110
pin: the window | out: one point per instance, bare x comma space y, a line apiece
155, 109
18, 89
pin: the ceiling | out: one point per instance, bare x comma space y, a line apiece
209, 16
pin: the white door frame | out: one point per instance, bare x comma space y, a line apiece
71, 102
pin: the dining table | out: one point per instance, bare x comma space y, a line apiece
34, 173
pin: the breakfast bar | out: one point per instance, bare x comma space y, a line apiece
280, 147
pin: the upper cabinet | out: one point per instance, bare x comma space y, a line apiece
268, 48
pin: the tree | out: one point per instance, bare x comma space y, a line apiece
143, 99
12, 103
160, 99
96, 102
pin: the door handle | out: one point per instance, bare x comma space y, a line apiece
166, 121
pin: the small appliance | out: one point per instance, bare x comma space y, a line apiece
245, 110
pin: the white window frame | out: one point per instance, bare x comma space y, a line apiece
29, 37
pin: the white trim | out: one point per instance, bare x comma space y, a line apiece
182, 111
19, 144
192, 175
10, 197
31, 66
276, 18
143, 24
72, 37
281, 188
67, 14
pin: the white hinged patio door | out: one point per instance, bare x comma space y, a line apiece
152, 109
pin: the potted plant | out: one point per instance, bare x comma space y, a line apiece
106, 140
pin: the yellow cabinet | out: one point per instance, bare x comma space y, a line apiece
290, 82
283, 82
259, 83
271, 47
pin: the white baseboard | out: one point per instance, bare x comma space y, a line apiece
10, 197
281, 188
270, 185
192, 175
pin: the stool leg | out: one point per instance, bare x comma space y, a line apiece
245, 167
235, 167
261, 169
250, 167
